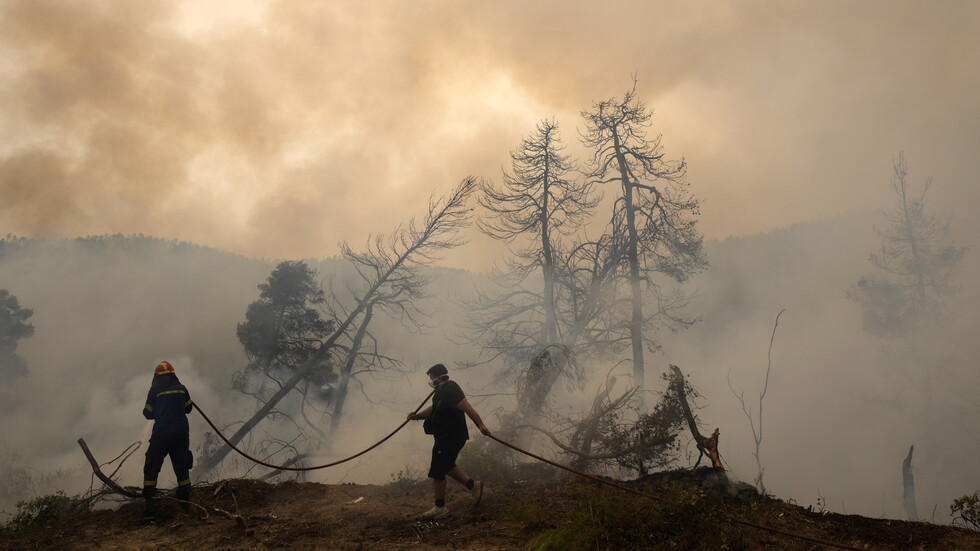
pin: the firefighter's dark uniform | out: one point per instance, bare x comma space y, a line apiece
168, 407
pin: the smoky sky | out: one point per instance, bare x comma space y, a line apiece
277, 128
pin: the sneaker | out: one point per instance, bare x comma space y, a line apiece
477, 491
436, 512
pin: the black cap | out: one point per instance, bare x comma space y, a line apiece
437, 370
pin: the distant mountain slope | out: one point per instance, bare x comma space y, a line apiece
109, 305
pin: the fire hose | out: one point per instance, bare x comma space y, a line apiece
285, 468
595, 478
660, 499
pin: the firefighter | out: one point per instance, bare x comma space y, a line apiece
168, 404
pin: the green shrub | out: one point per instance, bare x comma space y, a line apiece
532, 514
43, 512
486, 460
966, 511
607, 519
407, 479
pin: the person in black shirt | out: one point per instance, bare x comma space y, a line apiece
168, 404
446, 422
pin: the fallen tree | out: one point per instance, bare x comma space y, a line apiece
391, 276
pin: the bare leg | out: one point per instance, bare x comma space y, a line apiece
458, 475
439, 487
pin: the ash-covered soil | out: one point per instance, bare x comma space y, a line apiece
247, 514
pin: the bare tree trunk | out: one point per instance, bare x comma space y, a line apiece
588, 429
345, 373
636, 322
707, 446
288, 463
539, 379
908, 484
740, 396
550, 333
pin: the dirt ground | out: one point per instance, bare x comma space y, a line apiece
247, 514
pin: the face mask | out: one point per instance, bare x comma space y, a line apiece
433, 383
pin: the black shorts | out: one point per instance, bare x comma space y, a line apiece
444, 454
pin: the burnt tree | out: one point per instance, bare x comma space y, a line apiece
706, 445
653, 212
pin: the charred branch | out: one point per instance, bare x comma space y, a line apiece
101, 476
908, 486
706, 446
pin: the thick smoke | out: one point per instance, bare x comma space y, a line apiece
247, 125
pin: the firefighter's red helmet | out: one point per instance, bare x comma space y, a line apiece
163, 368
